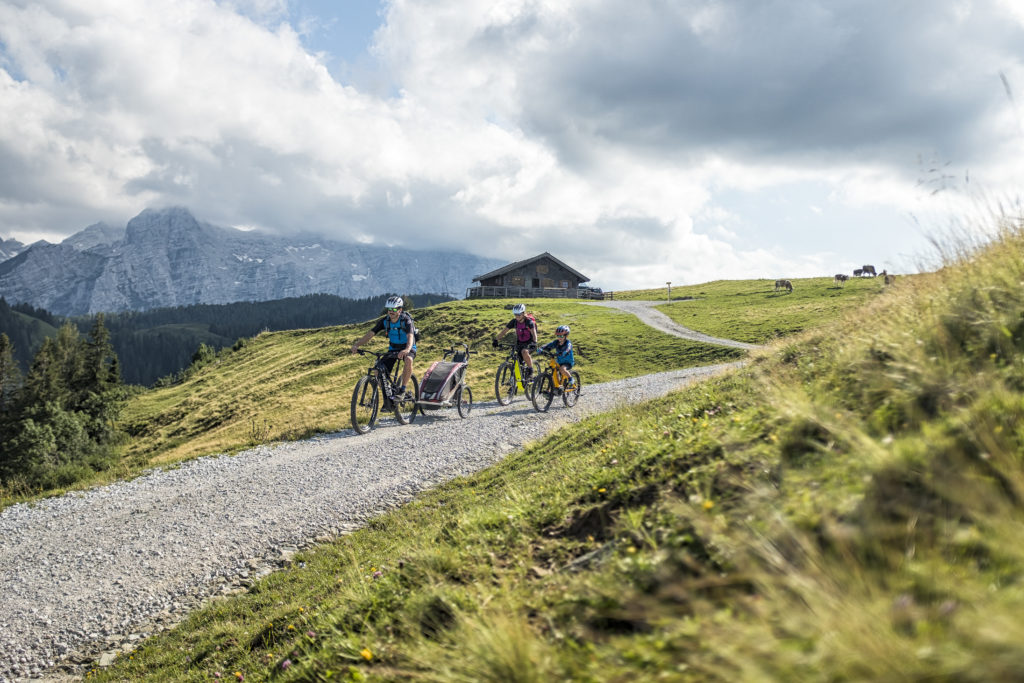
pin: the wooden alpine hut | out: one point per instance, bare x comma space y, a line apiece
540, 276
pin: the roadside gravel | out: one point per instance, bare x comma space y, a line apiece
88, 574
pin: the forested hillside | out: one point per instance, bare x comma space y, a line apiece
26, 328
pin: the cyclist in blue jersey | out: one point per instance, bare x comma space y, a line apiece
401, 333
526, 334
562, 348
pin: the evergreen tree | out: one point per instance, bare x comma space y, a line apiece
10, 375
96, 389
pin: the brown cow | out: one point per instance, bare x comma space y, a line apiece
840, 279
783, 284
869, 270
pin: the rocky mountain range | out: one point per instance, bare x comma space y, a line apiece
10, 248
167, 258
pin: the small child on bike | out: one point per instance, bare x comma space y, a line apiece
562, 348
526, 334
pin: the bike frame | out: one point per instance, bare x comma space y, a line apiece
517, 366
379, 370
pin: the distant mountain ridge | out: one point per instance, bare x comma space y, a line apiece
10, 248
166, 258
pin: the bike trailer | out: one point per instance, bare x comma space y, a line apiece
437, 390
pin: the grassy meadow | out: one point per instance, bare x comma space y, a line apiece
848, 506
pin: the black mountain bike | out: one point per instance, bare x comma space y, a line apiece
550, 383
509, 377
376, 390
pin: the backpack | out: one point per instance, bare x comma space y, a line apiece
415, 330
535, 326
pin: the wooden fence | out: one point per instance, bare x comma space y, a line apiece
535, 293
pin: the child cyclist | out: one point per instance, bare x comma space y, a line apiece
562, 349
526, 334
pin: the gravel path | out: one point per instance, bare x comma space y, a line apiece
646, 312
86, 574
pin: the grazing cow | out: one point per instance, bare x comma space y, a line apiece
840, 279
783, 284
869, 270
858, 272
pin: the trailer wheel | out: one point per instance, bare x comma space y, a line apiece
464, 401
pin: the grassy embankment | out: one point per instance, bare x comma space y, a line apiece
848, 507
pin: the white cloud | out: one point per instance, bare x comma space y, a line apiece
622, 134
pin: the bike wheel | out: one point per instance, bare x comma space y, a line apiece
365, 404
543, 392
570, 396
405, 406
464, 401
504, 384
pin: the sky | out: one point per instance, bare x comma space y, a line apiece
639, 141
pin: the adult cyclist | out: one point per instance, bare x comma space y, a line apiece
526, 334
401, 333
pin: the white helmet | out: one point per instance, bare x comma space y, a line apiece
394, 302
518, 308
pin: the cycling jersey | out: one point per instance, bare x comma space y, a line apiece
398, 331
563, 352
524, 330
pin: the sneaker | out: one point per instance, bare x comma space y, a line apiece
400, 392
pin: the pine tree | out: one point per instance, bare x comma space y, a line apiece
96, 386
10, 375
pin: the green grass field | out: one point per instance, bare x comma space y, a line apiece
752, 311
846, 507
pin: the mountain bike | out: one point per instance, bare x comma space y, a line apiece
550, 383
509, 380
376, 390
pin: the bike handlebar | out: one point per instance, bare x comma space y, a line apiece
378, 354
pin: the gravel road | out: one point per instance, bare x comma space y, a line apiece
90, 573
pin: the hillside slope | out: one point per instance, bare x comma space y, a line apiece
846, 508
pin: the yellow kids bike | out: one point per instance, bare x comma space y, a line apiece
550, 383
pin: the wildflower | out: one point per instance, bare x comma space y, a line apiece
311, 634
601, 490
366, 654
708, 504
239, 675
377, 574
286, 664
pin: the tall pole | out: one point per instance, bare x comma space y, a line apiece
668, 297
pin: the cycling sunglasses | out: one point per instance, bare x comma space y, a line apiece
561, 335
394, 310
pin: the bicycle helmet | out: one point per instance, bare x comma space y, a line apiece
518, 309
394, 302
563, 329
